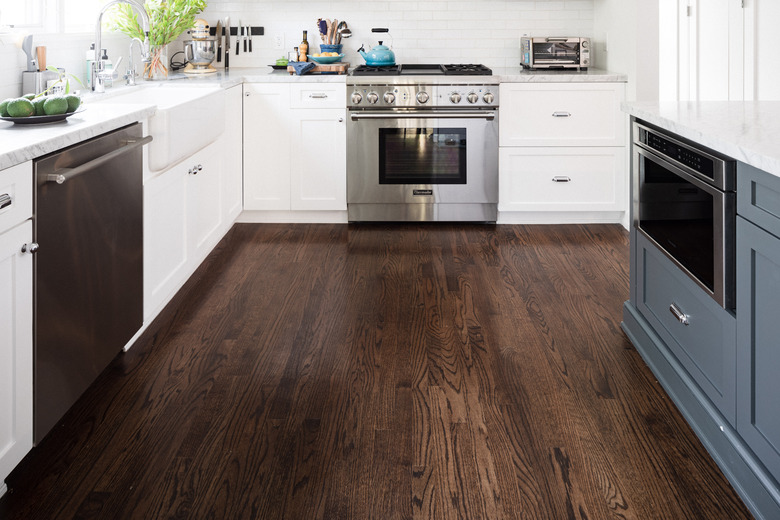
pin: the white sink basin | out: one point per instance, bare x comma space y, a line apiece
187, 119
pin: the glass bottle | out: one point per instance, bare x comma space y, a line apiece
303, 48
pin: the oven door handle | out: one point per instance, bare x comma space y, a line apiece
427, 115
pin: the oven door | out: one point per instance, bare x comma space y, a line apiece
422, 165
690, 221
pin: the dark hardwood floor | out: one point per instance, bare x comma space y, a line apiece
386, 372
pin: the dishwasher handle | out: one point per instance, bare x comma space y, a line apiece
64, 174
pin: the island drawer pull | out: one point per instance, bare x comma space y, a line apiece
321, 95
561, 114
5, 200
561, 178
679, 314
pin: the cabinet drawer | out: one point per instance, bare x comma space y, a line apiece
561, 179
16, 195
318, 95
706, 346
758, 197
561, 114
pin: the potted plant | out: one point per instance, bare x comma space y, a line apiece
167, 20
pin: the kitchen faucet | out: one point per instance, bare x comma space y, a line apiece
98, 66
131, 74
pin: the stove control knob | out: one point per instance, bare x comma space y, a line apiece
422, 97
389, 98
372, 97
455, 97
488, 97
356, 98
473, 97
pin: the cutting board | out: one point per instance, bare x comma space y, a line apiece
332, 68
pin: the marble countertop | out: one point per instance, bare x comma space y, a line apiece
520, 75
748, 131
20, 143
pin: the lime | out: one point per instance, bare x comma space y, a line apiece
4, 107
29, 97
38, 104
20, 107
73, 102
55, 105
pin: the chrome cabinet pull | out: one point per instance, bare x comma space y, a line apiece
561, 178
318, 96
5, 200
31, 248
561, 114
679, 314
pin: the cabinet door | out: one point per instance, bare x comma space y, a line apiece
319, 166
267, 146
758, 342
16, 348
562, 179
204, 203
165, 237
561, 114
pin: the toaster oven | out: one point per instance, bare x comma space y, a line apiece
554, 52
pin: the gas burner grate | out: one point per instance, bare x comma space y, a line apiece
468, 70
388, 70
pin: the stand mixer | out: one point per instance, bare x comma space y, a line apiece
200, 50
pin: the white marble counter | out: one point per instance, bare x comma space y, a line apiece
748, 131
20, 143
520, 75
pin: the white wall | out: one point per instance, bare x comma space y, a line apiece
477, 31
626, 33
764, 60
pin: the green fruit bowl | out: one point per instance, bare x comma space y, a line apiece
38, 120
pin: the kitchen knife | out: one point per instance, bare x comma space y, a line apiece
246, 36
238, 36
219, 41
249, 29
227, 42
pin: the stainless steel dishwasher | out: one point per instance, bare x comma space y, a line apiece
88, 266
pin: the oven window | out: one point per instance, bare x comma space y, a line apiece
679, 217
422, 156
559, 51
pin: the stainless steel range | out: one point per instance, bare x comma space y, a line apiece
422, 143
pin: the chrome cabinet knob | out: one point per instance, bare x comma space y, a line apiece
31, 248
356, 98
372, 97
488, 97
389, 98
422, 97
472, 97
455, 97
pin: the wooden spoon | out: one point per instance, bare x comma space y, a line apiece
333, 28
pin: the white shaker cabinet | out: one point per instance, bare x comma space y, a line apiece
16, 311
187, 209
562, 155
295, 152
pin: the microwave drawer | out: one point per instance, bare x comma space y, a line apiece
697, 331
561, 114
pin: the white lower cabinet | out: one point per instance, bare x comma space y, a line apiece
562, 153
16, 316
294, 149
187, 210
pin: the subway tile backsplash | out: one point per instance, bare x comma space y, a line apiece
431, 31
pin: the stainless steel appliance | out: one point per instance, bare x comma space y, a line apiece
422, 143
685, 204
554, 52
88, 267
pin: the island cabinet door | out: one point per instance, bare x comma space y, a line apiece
758, 342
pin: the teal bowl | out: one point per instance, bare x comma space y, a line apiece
325, 60
324, 47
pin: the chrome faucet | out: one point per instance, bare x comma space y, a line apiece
98, 66
131, 74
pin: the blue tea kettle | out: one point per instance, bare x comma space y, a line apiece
380, 55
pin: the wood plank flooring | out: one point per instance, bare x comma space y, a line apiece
387, 372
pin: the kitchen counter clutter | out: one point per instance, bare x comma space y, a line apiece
704, 318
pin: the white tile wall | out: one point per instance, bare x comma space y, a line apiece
431, 31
